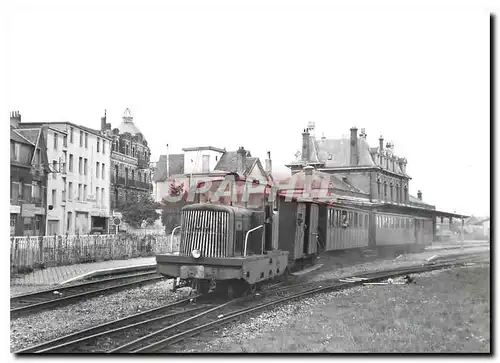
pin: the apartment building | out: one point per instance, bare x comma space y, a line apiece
28, 179
78, 185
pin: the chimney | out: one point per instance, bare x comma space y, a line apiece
419, 195
269, 165
241, 160
15, 119
305, 145
381, 143
308, 171
103, 122
354, 159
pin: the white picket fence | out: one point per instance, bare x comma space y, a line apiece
30, 253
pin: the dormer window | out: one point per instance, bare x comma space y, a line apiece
329, 156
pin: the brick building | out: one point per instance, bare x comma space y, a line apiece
28, 179
130, 161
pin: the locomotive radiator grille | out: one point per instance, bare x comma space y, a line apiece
206, 231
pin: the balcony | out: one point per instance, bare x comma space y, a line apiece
117, 180
142, 164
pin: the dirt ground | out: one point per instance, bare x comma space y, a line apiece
444, 312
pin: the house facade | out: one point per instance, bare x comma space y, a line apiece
28, 179
130, 161
376, 171
78, 186
205, 163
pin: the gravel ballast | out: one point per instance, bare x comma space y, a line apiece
40, 327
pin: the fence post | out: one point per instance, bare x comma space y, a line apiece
40, 246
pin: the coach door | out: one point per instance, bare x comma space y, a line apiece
312, 245
299, 230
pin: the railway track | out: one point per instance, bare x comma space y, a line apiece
156, 329
41, 300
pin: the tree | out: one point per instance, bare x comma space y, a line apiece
171, 213
138, 211
176, 190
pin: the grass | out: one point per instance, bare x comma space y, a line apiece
445, 312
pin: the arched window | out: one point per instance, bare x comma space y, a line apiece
144, 177
392, 194
126, 149
385, 189
133, 151
378, 188
116, 171
139, 175
132, 175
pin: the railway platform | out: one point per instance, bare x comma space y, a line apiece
52, 276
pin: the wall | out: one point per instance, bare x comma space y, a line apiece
257, 174
94, 204
131, 156
197, 157
24, 174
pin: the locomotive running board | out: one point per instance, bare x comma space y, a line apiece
307, 270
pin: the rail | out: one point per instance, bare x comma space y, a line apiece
172, 239
246, 238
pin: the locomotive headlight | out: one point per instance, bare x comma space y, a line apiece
196, 253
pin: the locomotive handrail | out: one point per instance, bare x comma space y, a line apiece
246, 238
172, 239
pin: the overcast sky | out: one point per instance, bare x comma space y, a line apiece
254, 75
